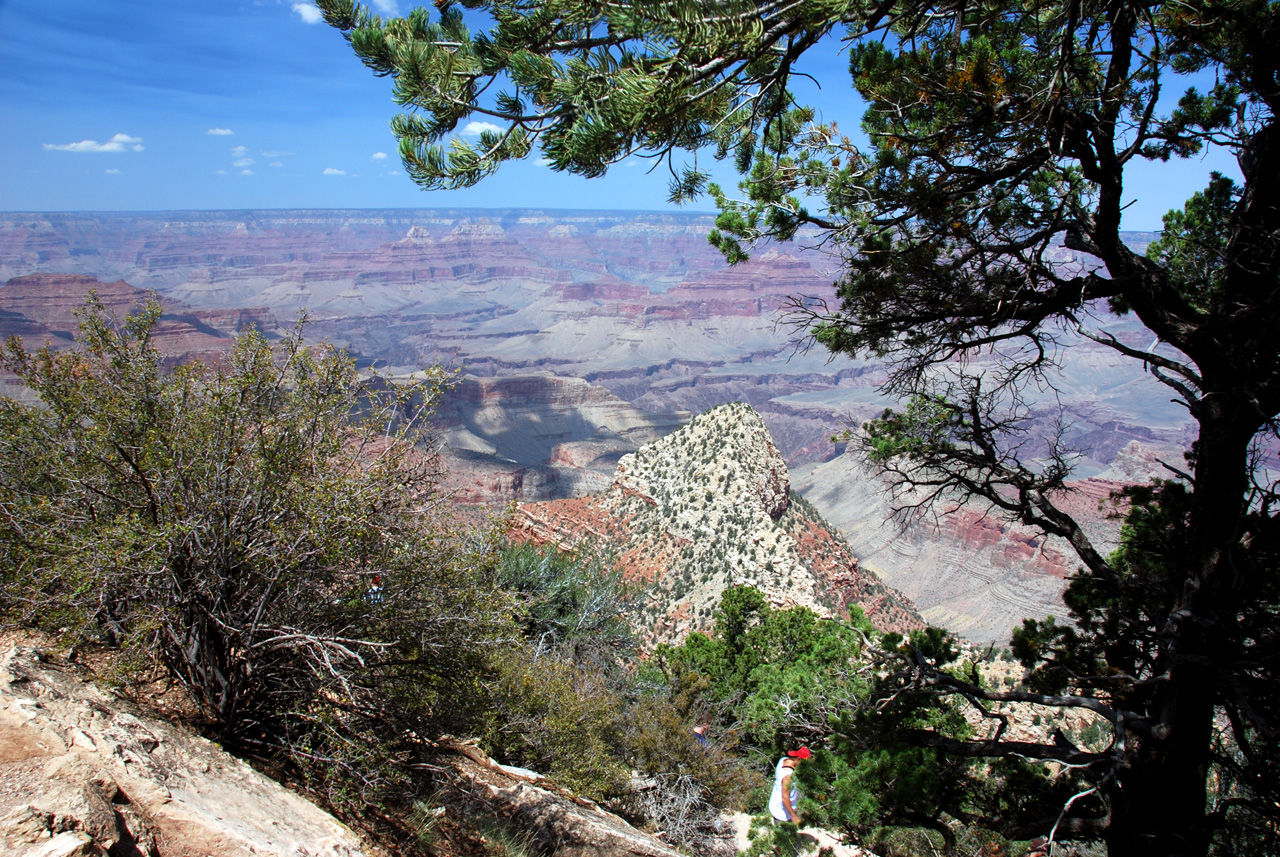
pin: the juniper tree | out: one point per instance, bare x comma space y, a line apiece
995, 130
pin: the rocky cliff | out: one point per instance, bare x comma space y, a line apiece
538, 437
708, 507
41, 308
637, 303
970, 570
630, 301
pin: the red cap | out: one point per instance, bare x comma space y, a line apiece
802, 753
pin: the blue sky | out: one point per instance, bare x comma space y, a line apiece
141, 105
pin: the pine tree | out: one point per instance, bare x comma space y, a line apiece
997, 130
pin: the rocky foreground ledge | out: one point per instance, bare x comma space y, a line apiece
84, 773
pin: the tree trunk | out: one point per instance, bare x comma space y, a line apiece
1159, 808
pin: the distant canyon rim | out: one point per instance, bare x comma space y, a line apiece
583, 335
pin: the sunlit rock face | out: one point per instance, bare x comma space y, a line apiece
969, 569
83, 772
708, 507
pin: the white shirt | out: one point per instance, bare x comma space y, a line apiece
776, 806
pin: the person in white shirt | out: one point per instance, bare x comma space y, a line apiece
782, 801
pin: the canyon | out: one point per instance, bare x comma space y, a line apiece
579, 337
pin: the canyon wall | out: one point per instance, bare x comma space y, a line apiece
634, 308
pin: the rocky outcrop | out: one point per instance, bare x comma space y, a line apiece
85, 773
708, 507
727, 445
546, 819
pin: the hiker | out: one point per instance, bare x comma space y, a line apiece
700, 734
782, 801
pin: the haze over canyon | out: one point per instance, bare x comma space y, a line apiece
583, 336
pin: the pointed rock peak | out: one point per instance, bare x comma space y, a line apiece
705, 508
417, 235
723, 456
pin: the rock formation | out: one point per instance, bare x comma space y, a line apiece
538, 437
41, 308
638, 304
708, 507
975, 573
633, 302
83, 773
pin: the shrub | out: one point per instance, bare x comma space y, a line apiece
261, 529
558, 719
575, 599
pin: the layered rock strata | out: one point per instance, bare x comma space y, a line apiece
637, 303
43, 309
970, 570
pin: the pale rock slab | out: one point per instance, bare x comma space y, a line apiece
82, 773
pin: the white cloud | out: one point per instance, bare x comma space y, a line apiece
276, 164
242, 162
239, 151
308, 12
475, 129
246, 172
386, 7
220, 132
276, 154
112, 172
118, 143
379, 156
330, 171
543, 162
220, 172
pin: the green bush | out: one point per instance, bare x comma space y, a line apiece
570, 599
260, 528
555, 718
